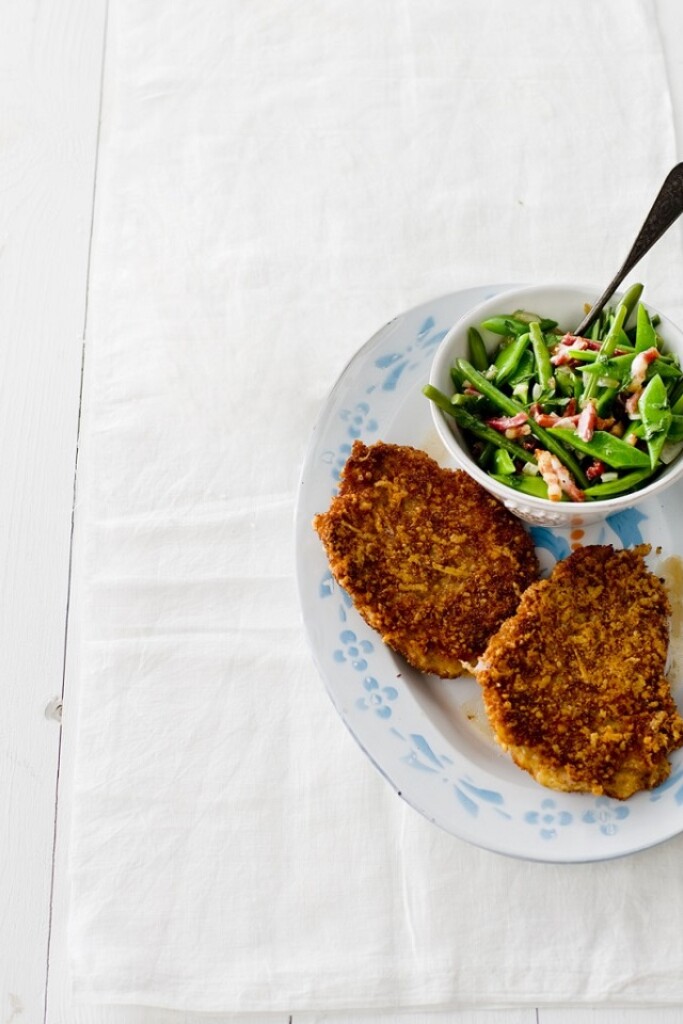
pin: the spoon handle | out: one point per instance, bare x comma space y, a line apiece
666, 208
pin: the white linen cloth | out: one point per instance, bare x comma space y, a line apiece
276, 181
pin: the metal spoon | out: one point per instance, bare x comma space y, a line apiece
666, 208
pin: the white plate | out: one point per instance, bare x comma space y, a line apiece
429, 737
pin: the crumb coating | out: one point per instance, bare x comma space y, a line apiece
574, 683
431, 560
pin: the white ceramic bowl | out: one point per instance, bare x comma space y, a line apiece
564, 303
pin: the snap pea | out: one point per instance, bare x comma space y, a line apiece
645, 332
630, 299
624, 484
508, 359
653, 407
533, 485
607, 347
477, 350
618, 367
527, 317
525, 369
502, 462
505, 325
655, 414
605, 447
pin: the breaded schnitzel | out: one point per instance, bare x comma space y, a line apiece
431, 560
574, 683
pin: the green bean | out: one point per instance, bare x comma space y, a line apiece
606, 447
544, 367
533, 485
477, 350
475, 426
629, 299
439, 398
607, 347
588, 356
485, 387
511, 408
622, 485
604, 402
459, 379
487, 454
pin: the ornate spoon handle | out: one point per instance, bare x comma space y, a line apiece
666, 208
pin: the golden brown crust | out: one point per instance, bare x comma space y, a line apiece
431, 560
574, 683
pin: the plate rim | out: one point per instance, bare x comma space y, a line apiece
325, 414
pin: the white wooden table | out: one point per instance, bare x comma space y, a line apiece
53, 61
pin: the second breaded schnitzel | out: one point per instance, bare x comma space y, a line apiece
574, 683
431, 560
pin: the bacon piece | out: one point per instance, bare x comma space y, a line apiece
514, 433
562, 355
632, 403
640, 364
505, 423
557, 477
576, 341
596, 469
587, 422
551, 419
607, 424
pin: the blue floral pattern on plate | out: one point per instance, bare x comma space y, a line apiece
459, 780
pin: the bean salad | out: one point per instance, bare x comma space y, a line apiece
564, 417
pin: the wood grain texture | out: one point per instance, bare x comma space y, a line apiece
614, 1015
425, 1017
50, 68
